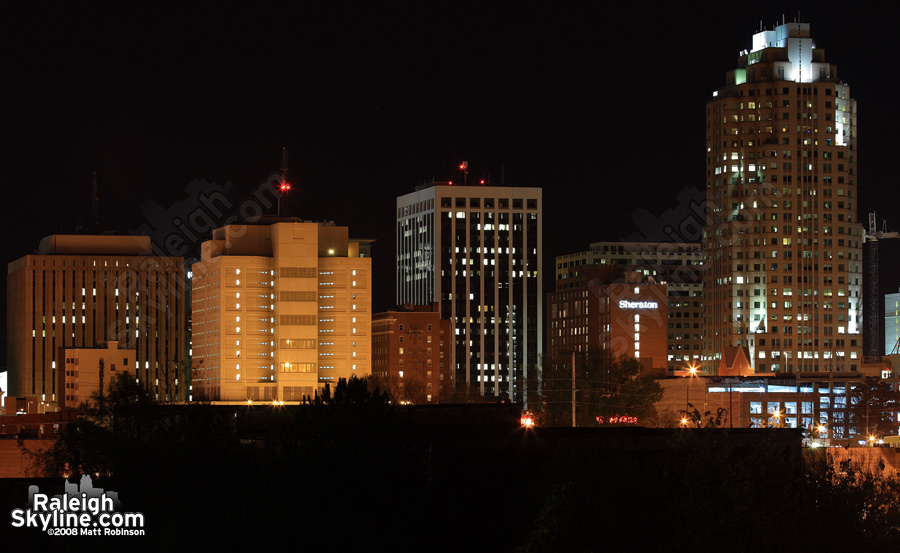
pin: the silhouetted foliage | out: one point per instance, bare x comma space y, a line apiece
706, 420
605, 387
871, 409
710, 497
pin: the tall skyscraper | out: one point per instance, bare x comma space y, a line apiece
476, 250
279, 308
782, 245
81, 290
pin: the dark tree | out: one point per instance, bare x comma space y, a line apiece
604, 387
872, 406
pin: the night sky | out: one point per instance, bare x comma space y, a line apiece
605, 111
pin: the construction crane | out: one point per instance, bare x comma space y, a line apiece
873, 321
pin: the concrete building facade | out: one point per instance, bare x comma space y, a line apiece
79, 290
85, 371
782, 245
891, 323
280, 308
477, 251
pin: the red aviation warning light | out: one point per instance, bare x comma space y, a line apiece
482, 181
463, 166
284, 186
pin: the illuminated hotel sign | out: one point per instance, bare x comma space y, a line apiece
625, 304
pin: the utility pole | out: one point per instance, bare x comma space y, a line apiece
573, 390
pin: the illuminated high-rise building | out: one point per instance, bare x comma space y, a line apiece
476, 251
280, 308
782, 245
79, 291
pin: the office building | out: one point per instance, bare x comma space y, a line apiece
622, 314
280, 307
476, 251
675, 264
834, 409
782, 245
81, 290
412, 353
85, 371
891, 323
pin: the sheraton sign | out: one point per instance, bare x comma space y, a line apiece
625, 304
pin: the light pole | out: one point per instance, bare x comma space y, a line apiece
777, 416
693, 371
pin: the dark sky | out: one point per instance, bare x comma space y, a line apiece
603, 110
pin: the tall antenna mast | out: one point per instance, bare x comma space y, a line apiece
285, 186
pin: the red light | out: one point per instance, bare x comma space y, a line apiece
482, 181
285, 187
450, 183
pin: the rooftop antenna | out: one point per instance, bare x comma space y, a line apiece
95, 205
284, 187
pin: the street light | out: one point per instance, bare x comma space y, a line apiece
777, 416
692, 370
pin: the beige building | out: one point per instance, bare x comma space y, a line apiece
80, 290
87, 370
280, 308
782, 246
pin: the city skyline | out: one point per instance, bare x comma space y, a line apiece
556, 101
